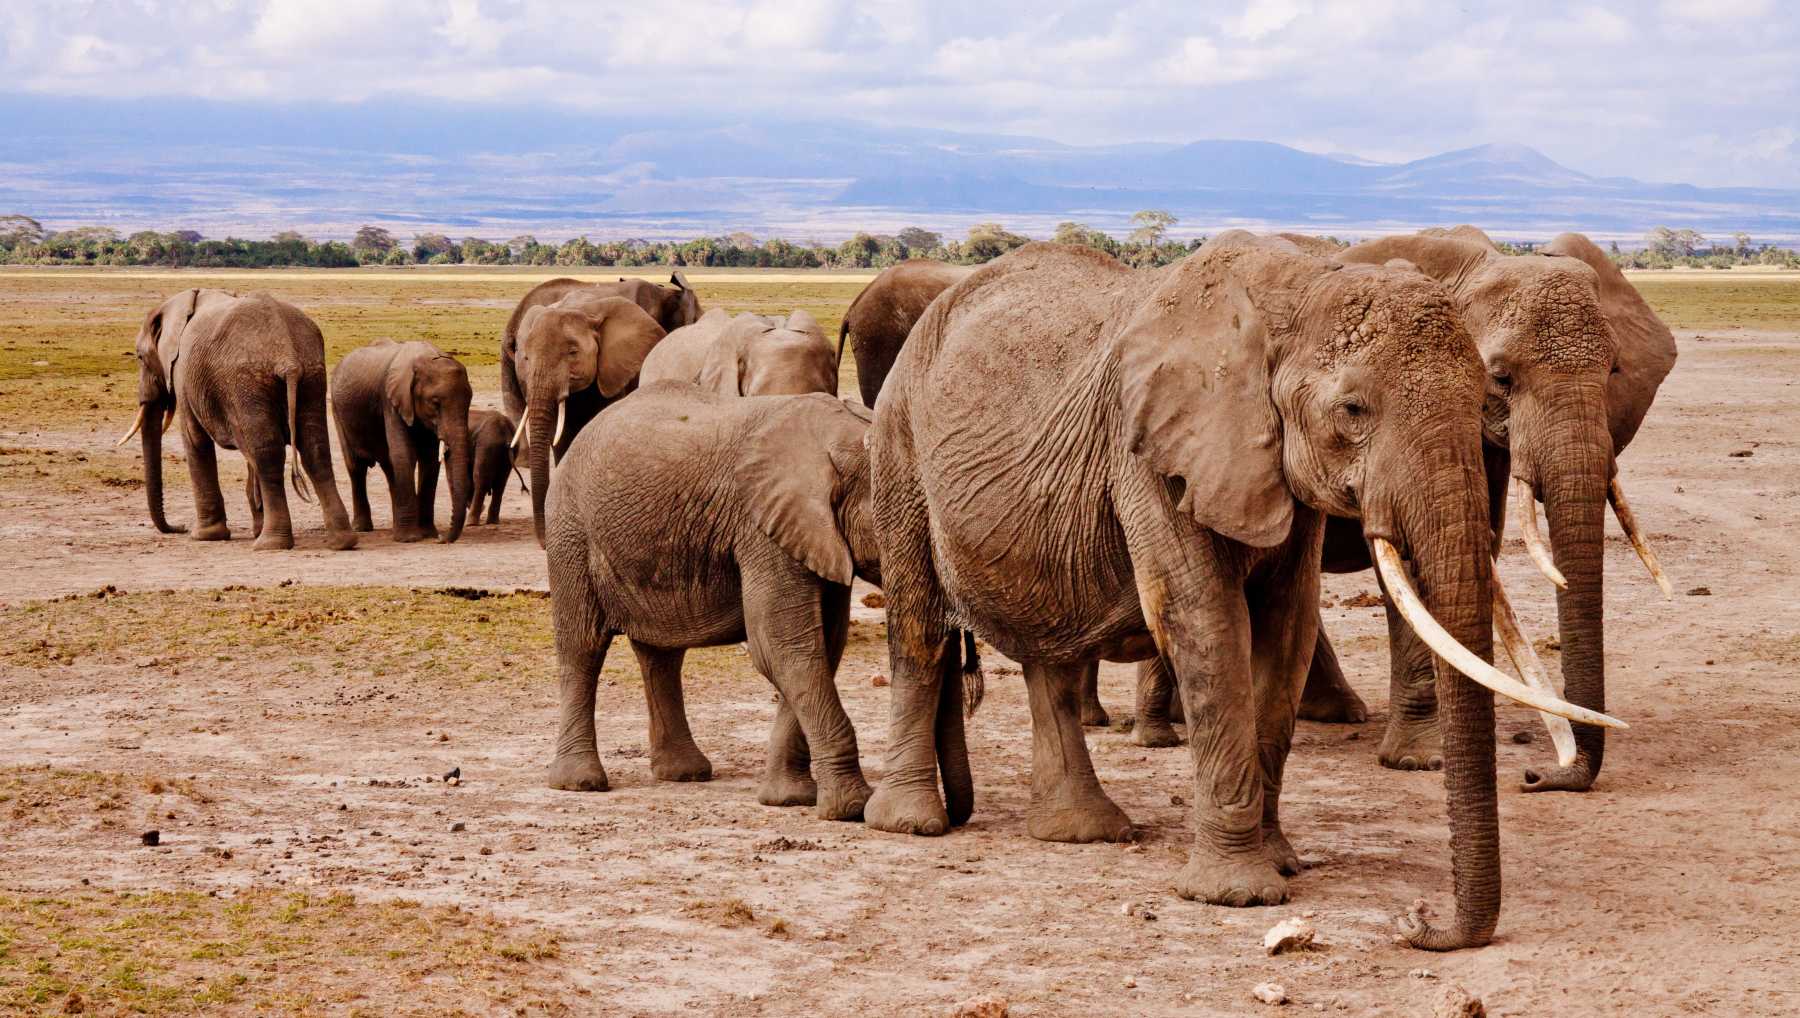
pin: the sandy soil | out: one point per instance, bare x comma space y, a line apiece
1672, 888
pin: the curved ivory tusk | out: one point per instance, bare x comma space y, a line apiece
168, 419
1628, 523
1534, 542
136, 423
518, 437
562, 411
1525, 659
1407, 603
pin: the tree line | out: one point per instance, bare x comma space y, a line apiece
24, 241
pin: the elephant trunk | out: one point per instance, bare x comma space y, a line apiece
540, 420
152, 435
1443, 520
460, 464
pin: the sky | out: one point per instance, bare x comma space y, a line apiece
1698, 91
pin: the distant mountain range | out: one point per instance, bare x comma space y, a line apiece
491, 172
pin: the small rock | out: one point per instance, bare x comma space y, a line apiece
454, 772
152, 838
343, 806
443, 736
1699, 591
1128, 909
988, 1006
874, 599
1269, 993
878, 680
74, 1004
1455, 1002
485, 851
1129, 982
458, 827
148, 662
1289, 935
1176, 800
1743, 454
1524, 736
1422, 974
453, 782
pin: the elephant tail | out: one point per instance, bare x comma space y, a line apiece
295, 477
974, 679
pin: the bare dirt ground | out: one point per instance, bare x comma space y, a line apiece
293, 739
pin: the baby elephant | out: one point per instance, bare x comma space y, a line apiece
681, 518
393, 403
492, 434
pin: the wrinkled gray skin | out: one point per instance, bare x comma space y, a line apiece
491, 435
746, 355
1086, 462
682, 518
243, 373
878, 320
669, 307
1574, 357
393, 403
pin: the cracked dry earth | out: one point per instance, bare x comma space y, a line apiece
276, 748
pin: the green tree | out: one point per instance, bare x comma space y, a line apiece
1150, 226
917, 241
987, 241
427, 246
372, 242
20, 231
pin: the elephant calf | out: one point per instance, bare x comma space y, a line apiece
681, 518
492, 437
746, 355
393, 403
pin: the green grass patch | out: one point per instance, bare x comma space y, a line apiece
1765, 302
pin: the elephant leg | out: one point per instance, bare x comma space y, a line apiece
203, 473
1093, 712
785, 619
359, 495
313, 447
402, 476
268, 463
1067, 802
494, 503
427, 458
1155, 692
581, 643
1413, 741
787, 779
253, 495
477, 498
1328, 697
1283, 636
673, 754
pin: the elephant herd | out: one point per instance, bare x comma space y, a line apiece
1076, 460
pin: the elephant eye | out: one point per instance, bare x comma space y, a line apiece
1503, 379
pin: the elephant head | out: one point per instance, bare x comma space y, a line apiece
583, 343
158, 348
1255, 376
426, 385
757, 356
680, 307
804, 473
1573, 359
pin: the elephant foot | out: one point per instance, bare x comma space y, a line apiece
1093, 715
684, 764
412, 535
780, 788
916, 810
362, 525
1281, 852
1337, 706
1237, 881
211, 532
1412, 746
1090, 818
1577, 777
578, 772
342, 540
1155, 734
274, 540
844, 799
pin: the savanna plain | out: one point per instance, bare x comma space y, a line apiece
286, 722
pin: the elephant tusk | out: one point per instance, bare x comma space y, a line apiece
562, 410
1534, 542
136, 423
518, 437
1531, 669
1628, 523
1413, 610
169, 418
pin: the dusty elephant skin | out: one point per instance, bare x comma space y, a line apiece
1574, 357
562, 379
681, 518
244, 373
746, 355
881, 316
393, 403
491, 443
1177, 438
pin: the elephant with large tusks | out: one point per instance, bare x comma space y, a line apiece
1082, 461
682, 518
746, 355
393, 403
244, 373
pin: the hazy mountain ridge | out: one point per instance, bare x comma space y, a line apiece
496, 172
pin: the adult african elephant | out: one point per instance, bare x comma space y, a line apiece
570, 359
683, 518
880, 317
1573, 357
243, 373
746, 355
393, 403
1084, 461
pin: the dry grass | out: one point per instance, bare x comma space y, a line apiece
266, 951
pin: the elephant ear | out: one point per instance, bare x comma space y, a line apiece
175, 314
727, 363
798, 320
789, 479
1473, 234
1646, 347
398, 386
625, 335
1194, 385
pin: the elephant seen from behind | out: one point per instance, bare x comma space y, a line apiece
394, 403
747, 355
491, 435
